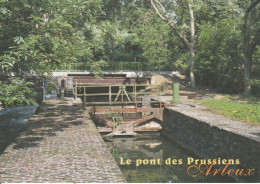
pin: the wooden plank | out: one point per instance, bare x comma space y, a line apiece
104, 129
122, 80
136, 129
142, 120
113, 103
144, 129
125, 110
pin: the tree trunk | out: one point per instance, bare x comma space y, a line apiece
192, 62
247, 72
248, 44
191, 46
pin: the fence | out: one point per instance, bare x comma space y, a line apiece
122, 91
113, 66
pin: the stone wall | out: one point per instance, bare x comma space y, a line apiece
212, 136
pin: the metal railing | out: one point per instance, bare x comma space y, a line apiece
122, 92
114, 66
111, 66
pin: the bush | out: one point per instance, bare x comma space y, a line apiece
17, 93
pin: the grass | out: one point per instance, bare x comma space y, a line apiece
245, 109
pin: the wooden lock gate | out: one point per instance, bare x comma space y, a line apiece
123, 109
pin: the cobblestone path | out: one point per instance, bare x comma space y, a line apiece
59, 144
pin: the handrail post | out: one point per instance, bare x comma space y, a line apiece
122, 98
135, 100
160, 93
76, 90
62, 88
135, 96
85, 97
110, 96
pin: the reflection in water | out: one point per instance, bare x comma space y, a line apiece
152, 147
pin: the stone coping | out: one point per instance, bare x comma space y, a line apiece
248, 130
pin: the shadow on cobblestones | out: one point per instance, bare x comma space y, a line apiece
27, 142
47, 122
2, 173
59, 145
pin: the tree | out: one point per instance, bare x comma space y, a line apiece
179, 30
219, 57
250, 32
39, 35
153, 37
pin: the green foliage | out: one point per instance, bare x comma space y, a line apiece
256, 83
18, 92
236, 110
218, 65
115, 117
38, 36
181, 63
153, 37
96, 67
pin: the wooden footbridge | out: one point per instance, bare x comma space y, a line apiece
121, 105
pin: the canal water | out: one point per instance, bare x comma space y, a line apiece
151, 148
12, 120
